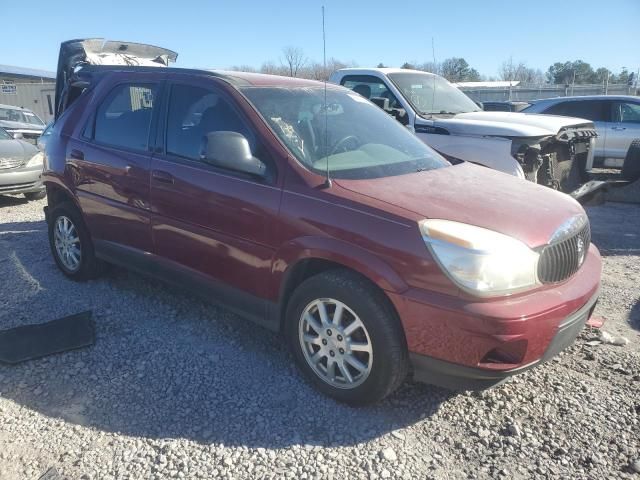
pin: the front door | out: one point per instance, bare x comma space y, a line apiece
622, 130
212, 224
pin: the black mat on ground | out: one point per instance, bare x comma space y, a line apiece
34, 341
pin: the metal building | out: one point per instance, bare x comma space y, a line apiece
28, 88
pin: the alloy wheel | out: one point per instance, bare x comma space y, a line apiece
67, 243
335, 343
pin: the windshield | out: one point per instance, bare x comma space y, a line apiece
4, 135
22, 116
360, 140
418, 89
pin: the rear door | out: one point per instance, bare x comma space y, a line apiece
623, 129
110, 159
210, 224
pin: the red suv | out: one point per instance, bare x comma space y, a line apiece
307, 209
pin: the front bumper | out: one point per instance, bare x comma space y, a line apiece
21, 180
458, 377
466, 342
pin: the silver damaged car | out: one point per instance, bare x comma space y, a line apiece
21, 165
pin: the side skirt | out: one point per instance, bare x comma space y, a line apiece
258, 310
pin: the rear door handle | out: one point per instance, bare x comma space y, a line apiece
76, 154
162, 176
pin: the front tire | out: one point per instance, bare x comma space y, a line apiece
71, 244
346, 337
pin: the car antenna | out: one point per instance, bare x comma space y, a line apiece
433, 94
327, 180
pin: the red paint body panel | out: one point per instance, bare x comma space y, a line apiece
216, 224
249, 235
479, 196
462, 331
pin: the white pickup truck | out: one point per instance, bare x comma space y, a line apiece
550, 150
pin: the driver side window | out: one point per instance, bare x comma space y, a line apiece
194, 112
626, 112
371, 88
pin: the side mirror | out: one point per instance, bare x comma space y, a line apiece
18, 136
231, 150
381, 102
401, 115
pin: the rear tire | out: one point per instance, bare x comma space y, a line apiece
358, 363
35, 195
631, 166
71, 244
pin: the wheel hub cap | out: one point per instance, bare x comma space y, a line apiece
335, 343
67, 243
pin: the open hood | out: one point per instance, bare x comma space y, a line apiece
98, 51
508, 124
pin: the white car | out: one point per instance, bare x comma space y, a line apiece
550, 150
21, 122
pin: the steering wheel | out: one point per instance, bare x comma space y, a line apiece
343, 143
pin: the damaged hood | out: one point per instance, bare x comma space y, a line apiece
98, 51
508, 124
11, 149
475, 195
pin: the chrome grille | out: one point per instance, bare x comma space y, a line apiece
559, 260
10, 162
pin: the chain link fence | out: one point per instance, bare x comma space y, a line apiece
526, 93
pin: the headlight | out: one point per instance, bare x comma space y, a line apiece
481, 261
37, 159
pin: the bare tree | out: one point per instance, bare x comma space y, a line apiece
242, 68
317, 71
519, 72
271, 68
294, 59
431, 67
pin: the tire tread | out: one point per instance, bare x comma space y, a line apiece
396, 355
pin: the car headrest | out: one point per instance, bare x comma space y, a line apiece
362, 89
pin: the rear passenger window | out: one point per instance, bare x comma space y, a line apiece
594, 110
194, 112
124, 117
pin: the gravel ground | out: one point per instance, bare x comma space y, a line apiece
177, 388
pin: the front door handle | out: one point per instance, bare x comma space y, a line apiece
618, 128
76, 154
161, 176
